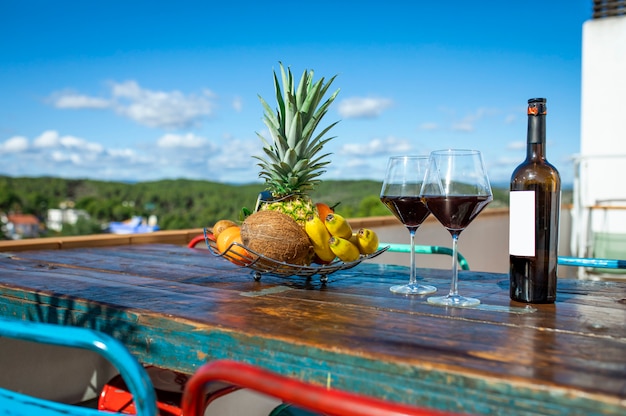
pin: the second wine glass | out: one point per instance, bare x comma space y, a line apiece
400, 193
455, 190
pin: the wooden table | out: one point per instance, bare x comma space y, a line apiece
177, 307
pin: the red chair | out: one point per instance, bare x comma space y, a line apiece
312, 397
196, 240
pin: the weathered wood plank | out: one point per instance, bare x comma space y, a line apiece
364, 287
177, 308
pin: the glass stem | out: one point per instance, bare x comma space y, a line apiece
454, 288
413, 278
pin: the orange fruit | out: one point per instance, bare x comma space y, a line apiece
221, 225
236, 254
323, 210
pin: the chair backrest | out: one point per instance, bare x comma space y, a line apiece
132, 372
313, 397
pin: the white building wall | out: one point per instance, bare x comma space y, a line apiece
603, 134
58, 217
603, 122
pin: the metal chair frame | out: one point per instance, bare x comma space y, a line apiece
330, 402
136, 378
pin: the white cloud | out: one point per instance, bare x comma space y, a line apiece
377, 147
64, 157
429, 126
510, 118
122, 153
72, 142
468, 122
52, 139
357, 107
72, 156
517, 145
157, 109
128, 89
15, 144
238, 104
463, 126
48, 138
188, 140
72, 100
506, 161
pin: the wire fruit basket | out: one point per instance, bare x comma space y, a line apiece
261, 264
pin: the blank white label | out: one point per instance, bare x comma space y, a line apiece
522, 223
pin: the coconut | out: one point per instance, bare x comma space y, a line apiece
277, 236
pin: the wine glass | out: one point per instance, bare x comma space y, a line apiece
401, 194
455, 190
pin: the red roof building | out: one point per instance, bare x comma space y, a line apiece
22, 226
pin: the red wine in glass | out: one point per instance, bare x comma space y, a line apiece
400, 193
410, 210
455, 190
456, 212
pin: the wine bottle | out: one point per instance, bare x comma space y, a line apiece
535, 202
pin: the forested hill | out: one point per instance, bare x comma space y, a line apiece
179, 203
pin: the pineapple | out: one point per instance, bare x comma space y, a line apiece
292, 163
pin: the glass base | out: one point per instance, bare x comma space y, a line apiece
453, 300
413, 289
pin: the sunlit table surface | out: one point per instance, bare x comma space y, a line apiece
177, 308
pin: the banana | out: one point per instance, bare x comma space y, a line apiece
319, 236
367, 241
344, 249
338, 226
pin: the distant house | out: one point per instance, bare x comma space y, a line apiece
21, 226
134, 225
58, 217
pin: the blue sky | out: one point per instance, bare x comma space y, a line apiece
138, 90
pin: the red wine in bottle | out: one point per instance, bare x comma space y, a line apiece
535, 202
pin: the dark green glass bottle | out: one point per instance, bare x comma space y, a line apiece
535, 203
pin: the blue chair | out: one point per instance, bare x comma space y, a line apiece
138, 382
592, 262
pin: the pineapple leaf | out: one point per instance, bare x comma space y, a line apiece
295, 133
269, 115
317, 145
301, 165
292, 161
311, 125
265, 142
279, 97
313, 98
315, 164
302, 88
289, 106
326, 86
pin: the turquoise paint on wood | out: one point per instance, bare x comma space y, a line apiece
216, 321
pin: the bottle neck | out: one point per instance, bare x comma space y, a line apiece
536, 137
